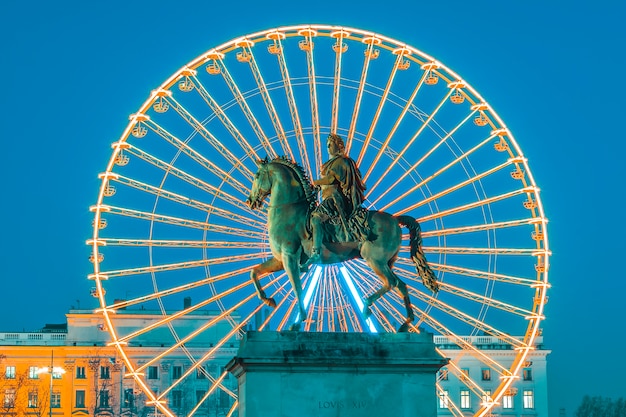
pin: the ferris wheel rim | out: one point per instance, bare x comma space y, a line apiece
520, 160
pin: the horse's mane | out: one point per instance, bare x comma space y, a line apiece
309, 192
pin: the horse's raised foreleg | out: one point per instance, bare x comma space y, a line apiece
292, 266
267, 267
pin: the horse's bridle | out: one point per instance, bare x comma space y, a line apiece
261, 192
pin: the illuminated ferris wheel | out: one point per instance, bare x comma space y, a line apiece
171, 226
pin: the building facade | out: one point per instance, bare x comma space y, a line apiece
471, 381
69, 370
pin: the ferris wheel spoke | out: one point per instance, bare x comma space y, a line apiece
291, 100
187, 223
244, 106
480, 251
203, 207
479, 227
456, 187
294, 302
405, 109
202, 328
313, 307
182, 265
337, 302
173, 317
383, 99
467, 381
413, 138
349, 310
461, 342
267, 100
339, 47
279, 305
208, 136
205, 244
485, 301
368, 285
426, 180
370, 53
190, 179
307, 46
473, 273
206, 394
196, 156
445, 398
226, 122
465, 318
413, 167
118, 305
469, 206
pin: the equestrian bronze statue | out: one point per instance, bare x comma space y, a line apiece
303, 232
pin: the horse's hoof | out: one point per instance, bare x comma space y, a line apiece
294, 327
269, 302
404, 328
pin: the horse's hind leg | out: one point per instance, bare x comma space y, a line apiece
390, 280
267, 267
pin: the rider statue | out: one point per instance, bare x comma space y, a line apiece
342, 195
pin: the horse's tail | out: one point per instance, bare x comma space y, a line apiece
429, 279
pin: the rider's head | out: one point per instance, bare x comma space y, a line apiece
336, 139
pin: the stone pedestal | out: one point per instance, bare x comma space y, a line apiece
301, 374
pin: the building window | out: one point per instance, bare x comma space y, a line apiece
464, 374
177, 372
33, 398
177, 399
80, 372
153, 372
129, 398
465, 398
507, 401
57, 373
487, 397
444, 399
529, 399
443, 375
105, 372
80, 399
486, 374
104, 398
200, 373
9, 372
55, 399
33, 372
527, 374
199, 396
9, 398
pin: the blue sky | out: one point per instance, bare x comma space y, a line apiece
74, 71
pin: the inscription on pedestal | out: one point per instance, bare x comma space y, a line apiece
338, 404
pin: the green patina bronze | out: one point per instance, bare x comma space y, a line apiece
293, 202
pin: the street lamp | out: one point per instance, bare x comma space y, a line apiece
52, 370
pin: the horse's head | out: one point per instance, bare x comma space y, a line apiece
261, 186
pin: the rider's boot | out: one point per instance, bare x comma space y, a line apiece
315, 258
316, 252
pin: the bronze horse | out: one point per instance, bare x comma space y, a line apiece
292, 199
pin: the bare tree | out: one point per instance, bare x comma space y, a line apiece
601, 407
106, 398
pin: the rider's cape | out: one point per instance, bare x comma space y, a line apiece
349, 176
